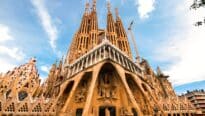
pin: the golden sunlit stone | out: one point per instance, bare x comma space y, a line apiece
97, 78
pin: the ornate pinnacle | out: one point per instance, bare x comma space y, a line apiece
86, 8
116, 12
94, 5
32, 60
108, 6
159, 72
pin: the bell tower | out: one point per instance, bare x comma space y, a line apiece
123, 42
111, 29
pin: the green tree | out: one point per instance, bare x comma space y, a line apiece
198, 4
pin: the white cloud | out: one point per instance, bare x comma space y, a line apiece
14, 53
46, 21
9, 56
186, 47
45, 69
145, 7
4, 33
5, 65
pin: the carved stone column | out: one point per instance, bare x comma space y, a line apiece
86, 62
104, 52
91, 91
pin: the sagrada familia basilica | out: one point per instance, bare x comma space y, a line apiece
98, 77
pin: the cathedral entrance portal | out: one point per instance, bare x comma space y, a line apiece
107, 111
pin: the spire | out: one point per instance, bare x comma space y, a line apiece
111, 31
159, 72
86, 37
123, 42
108, 6
93, 26
94, 5
116, 12
87, 8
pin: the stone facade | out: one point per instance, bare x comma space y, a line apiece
97, 78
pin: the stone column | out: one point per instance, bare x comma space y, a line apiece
91, 90
86, 62
127, 63
118, 58
82, 65
123, 61
95, 56
104, 52
100, 50
78, 66
114, 55
109, 53
91, 59
121, 73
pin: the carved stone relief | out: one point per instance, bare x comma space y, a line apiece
106, 86
81, 93
125, 112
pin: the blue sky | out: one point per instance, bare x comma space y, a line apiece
163, 30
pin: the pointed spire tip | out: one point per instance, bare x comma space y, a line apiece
94, 4
108, 5
116, 12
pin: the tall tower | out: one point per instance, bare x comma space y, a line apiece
87, 36
93, 26
123, 42
80, 43
111, 29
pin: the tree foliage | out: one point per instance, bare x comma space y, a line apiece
198, 4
